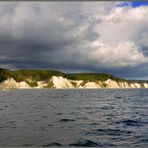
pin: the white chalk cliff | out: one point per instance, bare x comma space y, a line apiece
11, 83
60, 83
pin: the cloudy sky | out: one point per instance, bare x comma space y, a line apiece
107, 37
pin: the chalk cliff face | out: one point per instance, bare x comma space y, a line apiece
145, 85
41, 84
11, 83
91, 85
60, 82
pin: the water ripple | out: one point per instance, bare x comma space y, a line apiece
70, 117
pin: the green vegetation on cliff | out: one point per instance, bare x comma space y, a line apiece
29, 76
32, 76
92, 77
3, 74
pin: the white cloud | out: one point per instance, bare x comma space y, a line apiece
120, 34
124, 54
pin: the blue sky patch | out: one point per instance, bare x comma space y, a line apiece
139, 3
133, 4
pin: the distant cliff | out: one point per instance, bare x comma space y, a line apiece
56, 79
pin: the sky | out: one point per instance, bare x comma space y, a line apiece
109, 37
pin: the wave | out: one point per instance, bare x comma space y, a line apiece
86, 143
130, 122
112, 132
90, 143
52, 144
66, 120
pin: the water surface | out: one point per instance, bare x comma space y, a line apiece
71, 117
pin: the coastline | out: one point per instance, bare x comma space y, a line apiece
58, 82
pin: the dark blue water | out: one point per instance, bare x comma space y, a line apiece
105, 117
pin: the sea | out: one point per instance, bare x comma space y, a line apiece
74, 117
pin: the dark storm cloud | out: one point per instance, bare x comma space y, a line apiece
145, 50
73, 37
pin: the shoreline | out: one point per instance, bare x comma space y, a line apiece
58, 82
73, 89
